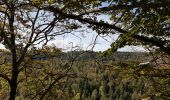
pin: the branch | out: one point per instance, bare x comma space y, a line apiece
155, 42
3, 34
5, 77
128, 7
60, 75
30, 39
83, 20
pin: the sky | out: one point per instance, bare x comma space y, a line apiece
71, 42
77, 41
85, 41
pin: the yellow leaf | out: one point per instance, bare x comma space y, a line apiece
142, 72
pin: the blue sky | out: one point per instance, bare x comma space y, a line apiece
102, 44
84, 42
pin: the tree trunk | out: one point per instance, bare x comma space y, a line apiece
13, 89
13, 81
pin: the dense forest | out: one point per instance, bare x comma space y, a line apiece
88, 75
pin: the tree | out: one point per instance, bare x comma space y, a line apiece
24, 24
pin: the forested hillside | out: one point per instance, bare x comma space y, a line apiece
92, 55
88, 75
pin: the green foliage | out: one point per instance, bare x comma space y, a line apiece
122, 64
115, 82
95, 95
146, 25
77, 97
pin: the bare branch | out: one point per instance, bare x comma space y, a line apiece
5, 77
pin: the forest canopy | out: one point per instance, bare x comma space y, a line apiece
137, 22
